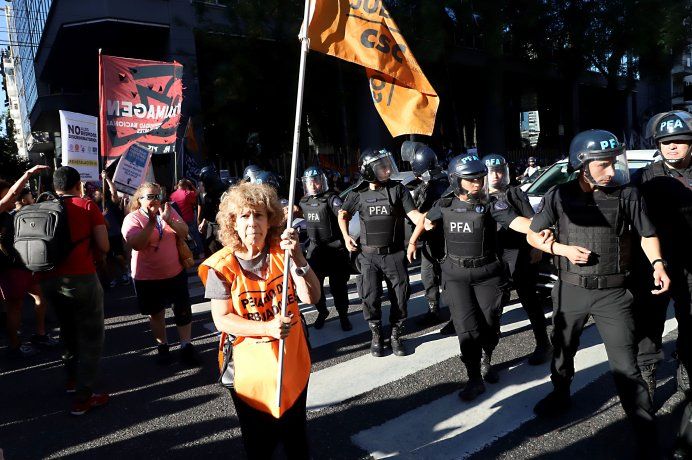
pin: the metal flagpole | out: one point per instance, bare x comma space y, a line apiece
305, 46
101, 160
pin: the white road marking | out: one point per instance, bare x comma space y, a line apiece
448, 428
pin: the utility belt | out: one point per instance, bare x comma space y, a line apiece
472, 262
381, 251
594, 281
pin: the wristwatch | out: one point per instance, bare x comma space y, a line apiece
302, 271
665, 264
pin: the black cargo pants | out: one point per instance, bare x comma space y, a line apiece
391, 268
475, 297
611, 309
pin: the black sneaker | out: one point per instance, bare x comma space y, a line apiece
345, 323
321, 317
448, 329
44, 341
472, 390
163, 356
188, 357
23, 351
556, 403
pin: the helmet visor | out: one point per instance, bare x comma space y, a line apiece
384, 168
610, 171
498, 178
314, 185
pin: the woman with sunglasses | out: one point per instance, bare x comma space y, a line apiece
151, 229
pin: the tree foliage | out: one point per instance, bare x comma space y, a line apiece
11, 165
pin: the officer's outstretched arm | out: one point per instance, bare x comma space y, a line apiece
520, 224
423, 225
416, 216
545, 241
652, 248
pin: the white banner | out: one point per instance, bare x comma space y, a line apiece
80, 144
133, 169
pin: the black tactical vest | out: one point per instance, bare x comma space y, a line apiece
596, 222
381, 219
469, 229
323, 226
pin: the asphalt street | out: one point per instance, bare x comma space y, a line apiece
359, 406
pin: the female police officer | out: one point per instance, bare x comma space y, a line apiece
326, 253
382, 204
518, 255
473, 276
594, 215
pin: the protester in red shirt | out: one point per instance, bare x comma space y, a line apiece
75, 292
185, 198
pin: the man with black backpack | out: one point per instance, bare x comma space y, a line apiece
73, 288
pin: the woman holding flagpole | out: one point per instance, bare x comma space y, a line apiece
244, 281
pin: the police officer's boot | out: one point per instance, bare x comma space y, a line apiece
649, 376
376, 346
556, 403
396, 339
488, 371
543, 351
448, 328
475, 386
344, 321
432, 316
321, 317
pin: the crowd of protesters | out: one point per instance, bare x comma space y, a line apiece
239, 230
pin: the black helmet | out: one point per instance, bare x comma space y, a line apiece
250, 172
671, 126
493, 160
421, 157
266, 177
498, 164
594, 144
209, 177
377, 165
465, 167
532, 159
314, 181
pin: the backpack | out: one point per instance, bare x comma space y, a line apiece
42, 233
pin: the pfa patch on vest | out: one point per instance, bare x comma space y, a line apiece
501, 205
480, 209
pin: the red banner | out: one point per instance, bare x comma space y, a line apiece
139, 101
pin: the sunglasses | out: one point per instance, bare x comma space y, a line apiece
151, 197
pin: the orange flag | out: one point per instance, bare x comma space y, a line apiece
363, 32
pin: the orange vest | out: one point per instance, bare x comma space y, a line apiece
256, 358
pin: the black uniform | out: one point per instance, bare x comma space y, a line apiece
668, 195
473, 276
382, 213
424, 196
326, 252
516, 253
602, 222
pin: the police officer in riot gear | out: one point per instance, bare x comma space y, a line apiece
666, 187
326, 252
517, 254
382, 205
595, 216
473, 276
433, 183
250, 172
266, 177
214, 189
